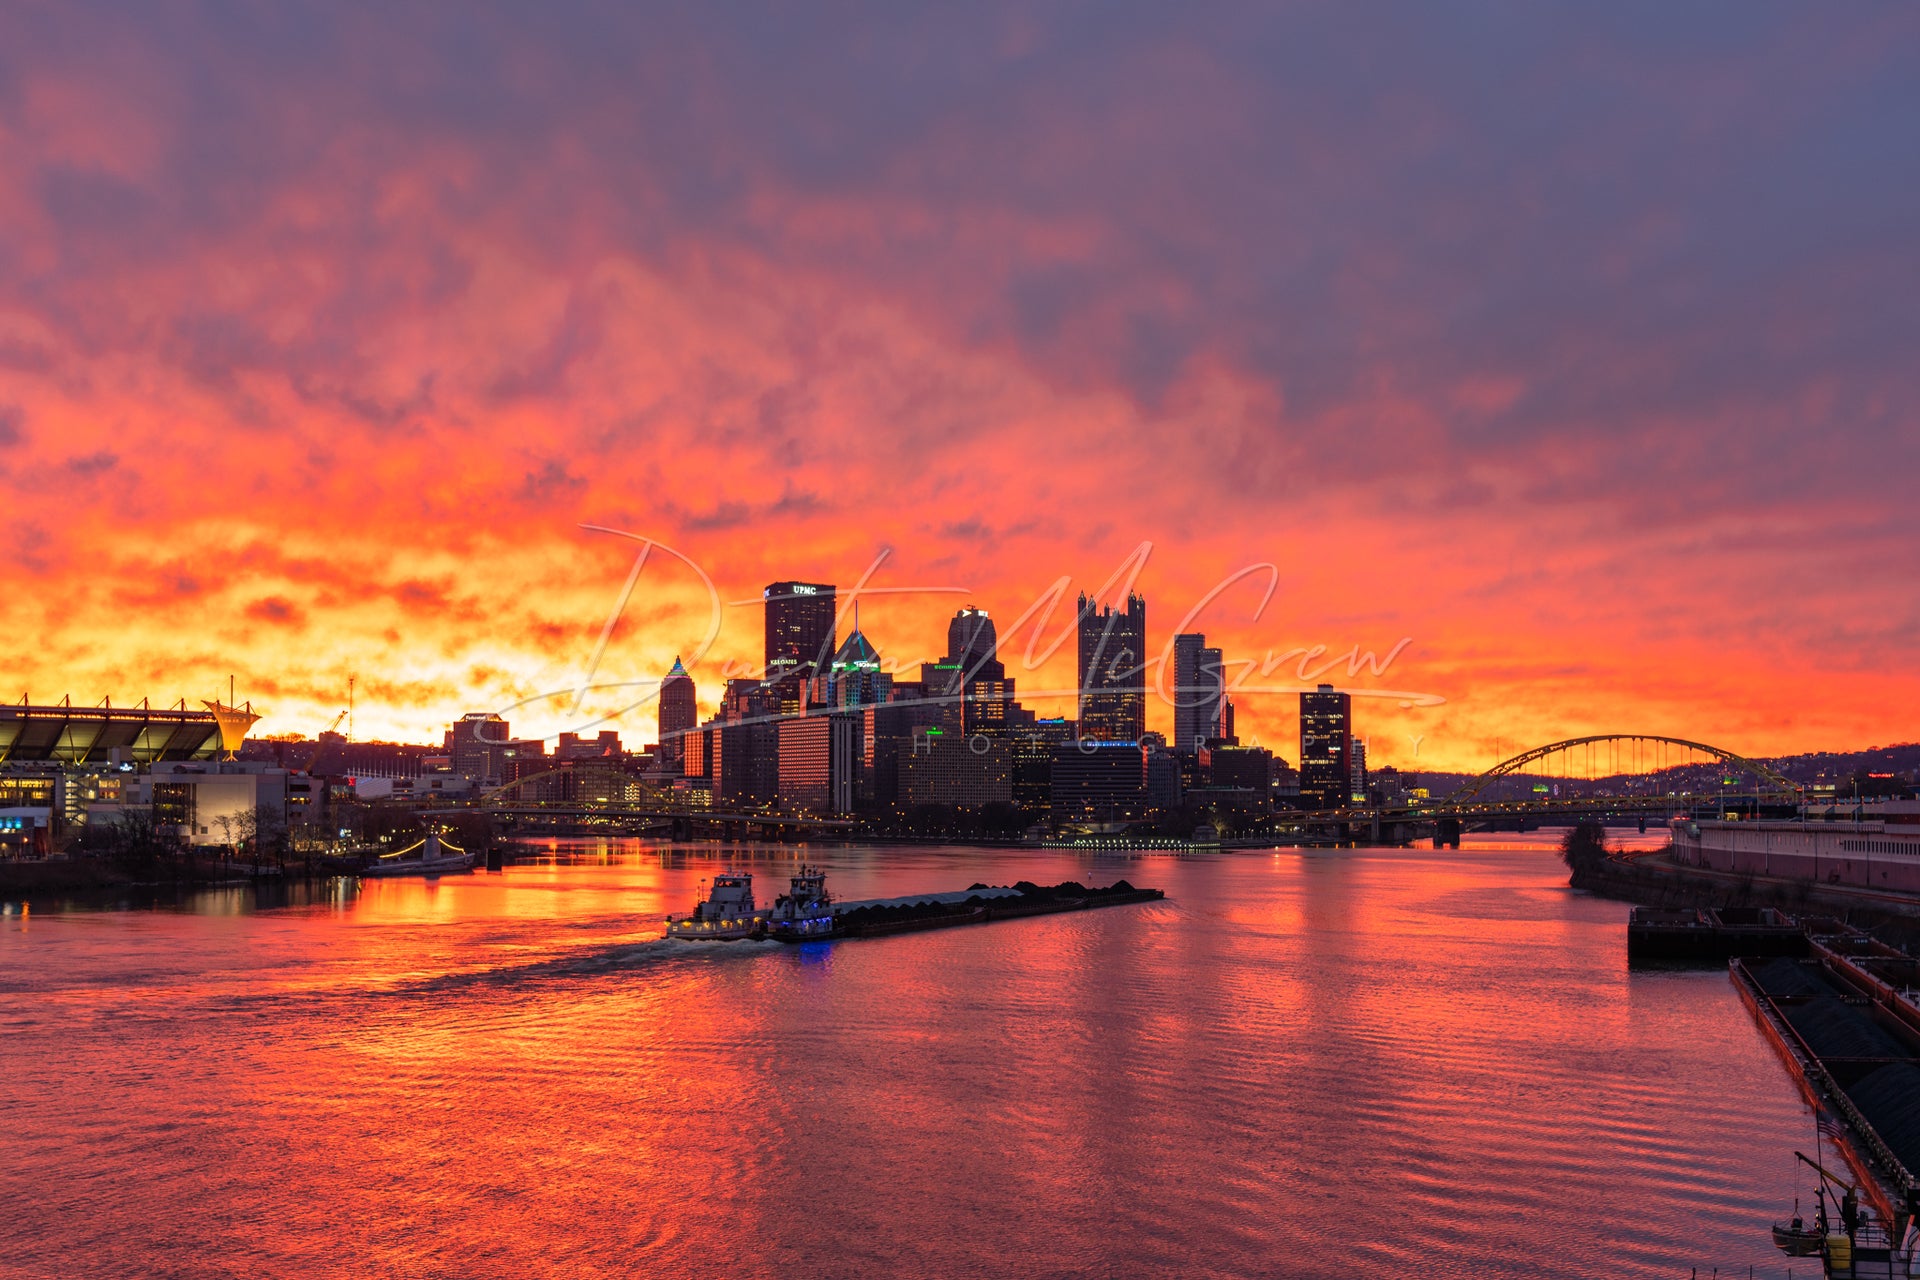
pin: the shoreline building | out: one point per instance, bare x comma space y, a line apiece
1112, 781
1113, 682
1873, 846
1326, 748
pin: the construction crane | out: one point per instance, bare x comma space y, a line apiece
1847, 1198
320, 741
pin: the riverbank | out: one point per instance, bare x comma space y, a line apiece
67, 875
84, 877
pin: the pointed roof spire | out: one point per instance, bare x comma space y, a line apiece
856, 650
678, 670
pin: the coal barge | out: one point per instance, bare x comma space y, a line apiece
807, 913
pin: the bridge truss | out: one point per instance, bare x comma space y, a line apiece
1627, 754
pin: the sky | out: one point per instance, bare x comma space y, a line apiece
1565, 353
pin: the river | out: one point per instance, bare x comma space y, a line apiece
1302, 1063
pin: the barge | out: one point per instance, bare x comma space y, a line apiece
1846, 1023
983, 904
1712, 935
807, 913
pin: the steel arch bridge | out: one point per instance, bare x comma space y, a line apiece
1507, 768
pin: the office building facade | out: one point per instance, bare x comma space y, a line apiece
1199, 694
969, 681
1326, 748
1112, 665
679, 716
800, 625
818, 762
1099, 781
952, 769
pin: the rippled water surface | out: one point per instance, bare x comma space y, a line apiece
1300, 1064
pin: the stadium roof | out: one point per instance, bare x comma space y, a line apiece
88, 735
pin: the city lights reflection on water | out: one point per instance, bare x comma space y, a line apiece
1423, 1062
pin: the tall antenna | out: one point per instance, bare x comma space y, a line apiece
351, 677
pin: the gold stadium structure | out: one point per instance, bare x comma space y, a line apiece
66, 734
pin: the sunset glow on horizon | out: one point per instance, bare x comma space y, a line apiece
1573, 367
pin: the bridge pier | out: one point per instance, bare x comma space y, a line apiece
1446, 833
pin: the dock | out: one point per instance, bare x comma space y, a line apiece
1712, 934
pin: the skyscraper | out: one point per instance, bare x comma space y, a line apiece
972, 641
1113, 679
970, 682
679, 715
478, 742
1199, 693
800, 631
855, 678
1326, 748
744, 752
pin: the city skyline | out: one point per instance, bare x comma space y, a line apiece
1292, 675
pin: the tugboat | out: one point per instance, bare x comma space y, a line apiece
727, 915
805, 911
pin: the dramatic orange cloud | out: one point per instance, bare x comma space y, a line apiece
1577, 359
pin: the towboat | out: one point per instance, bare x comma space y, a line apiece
805, 911
727, 914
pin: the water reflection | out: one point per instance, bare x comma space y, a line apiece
1410, 1061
